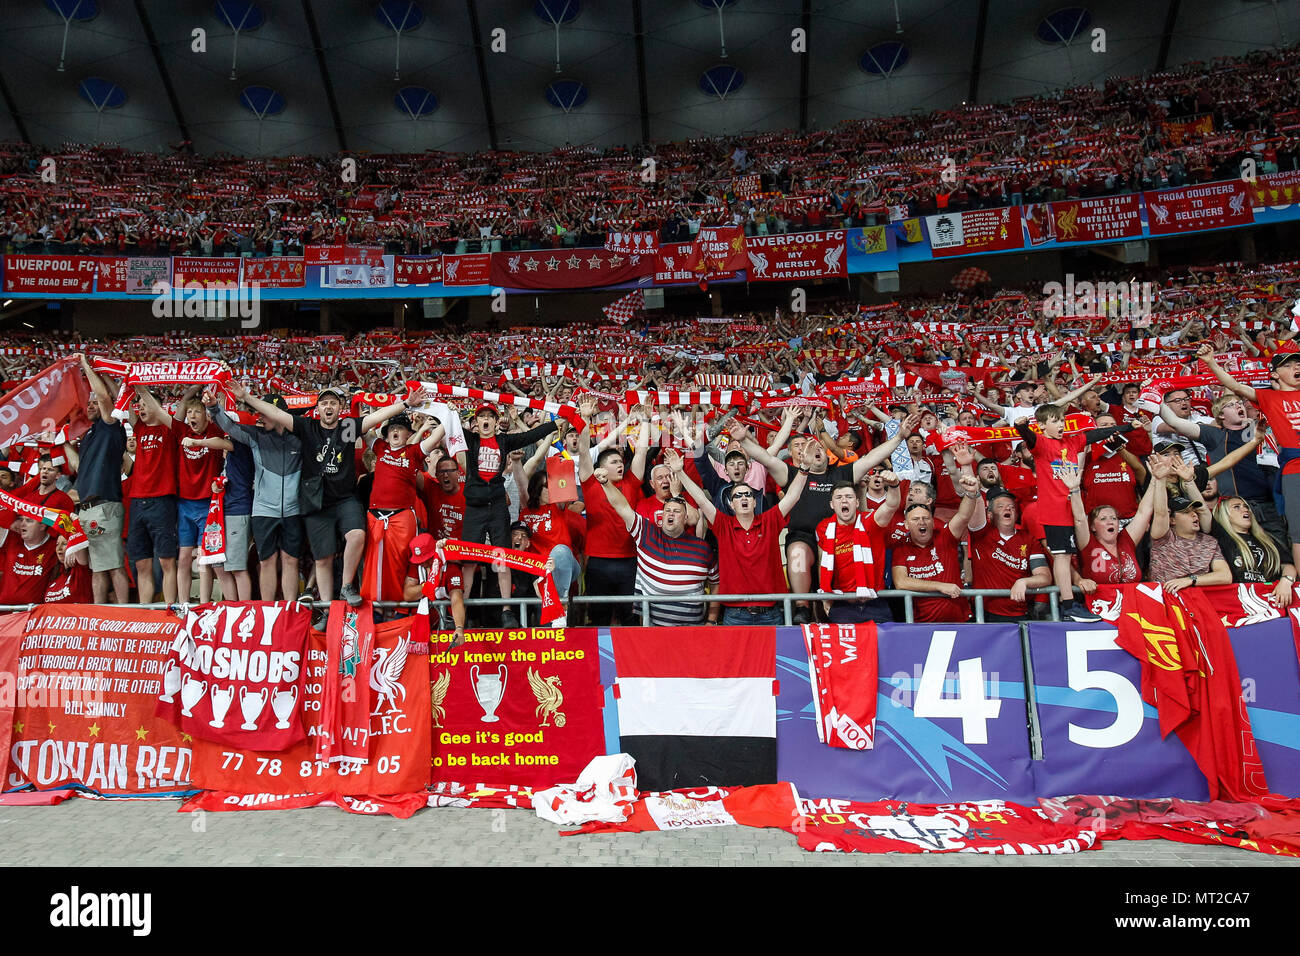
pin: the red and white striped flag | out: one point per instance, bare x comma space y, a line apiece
622, 310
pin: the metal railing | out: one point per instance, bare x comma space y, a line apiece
786, 600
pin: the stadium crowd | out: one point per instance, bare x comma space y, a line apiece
931, 444
1194, 124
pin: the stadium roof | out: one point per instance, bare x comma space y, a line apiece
265, 77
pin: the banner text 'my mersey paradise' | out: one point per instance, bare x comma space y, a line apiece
516, 707
89, 680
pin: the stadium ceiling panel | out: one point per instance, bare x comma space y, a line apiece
569, 70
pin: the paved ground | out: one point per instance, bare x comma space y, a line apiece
91, 833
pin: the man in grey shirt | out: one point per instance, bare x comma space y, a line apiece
277, 465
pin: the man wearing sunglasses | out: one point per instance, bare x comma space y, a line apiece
749, 549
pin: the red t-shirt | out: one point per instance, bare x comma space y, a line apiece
31, 492
446, 511
1100, 565
1053, 496
606, 535
999, 562
547, 527
749, 560
1282, 409
651, 509
71, 586
157, 450
395, 474
937, 561
489, 459
25, 573
1110, 481
198, 466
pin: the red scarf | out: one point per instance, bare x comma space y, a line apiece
863, 557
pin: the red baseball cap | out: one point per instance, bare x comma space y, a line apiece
489, 409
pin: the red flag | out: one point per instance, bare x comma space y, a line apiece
552, 609
55, 397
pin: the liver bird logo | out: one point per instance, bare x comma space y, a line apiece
437, 694
386, 675
549, 697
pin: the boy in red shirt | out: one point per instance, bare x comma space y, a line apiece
1053, 449
203, 447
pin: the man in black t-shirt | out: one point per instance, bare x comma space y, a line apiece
326, 489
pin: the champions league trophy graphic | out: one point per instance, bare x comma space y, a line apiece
489, 689
251, 706
282, 703
171, 681
192, 692
220, 704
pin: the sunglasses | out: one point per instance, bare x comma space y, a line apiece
743, 494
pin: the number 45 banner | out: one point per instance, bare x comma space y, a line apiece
950, 719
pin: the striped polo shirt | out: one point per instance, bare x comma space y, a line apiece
667, 565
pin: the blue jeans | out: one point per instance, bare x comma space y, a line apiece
753, 616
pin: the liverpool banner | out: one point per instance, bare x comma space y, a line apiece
569, 268
518, 707
803, 255
1096, 220
235, 674
88, 678
49, 274
395, 739
1193, 208
980, 230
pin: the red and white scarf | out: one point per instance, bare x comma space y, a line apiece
568, 412
61, 521
212, 543
533, 371
727, 397
195, 372
863, 557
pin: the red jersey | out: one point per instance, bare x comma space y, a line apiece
652, 510
395, 473
31, 492
547, 527
1282, 409
1110, 481
198, 466
937, 561
71, 586
749, 559
998, 562
157, 450
1100, 565
446, 511
1053, 496
607, 537
25, 573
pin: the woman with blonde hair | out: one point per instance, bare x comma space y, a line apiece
1250, 550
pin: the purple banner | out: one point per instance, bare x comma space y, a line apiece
965, 741
1270, 678
1098, 735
